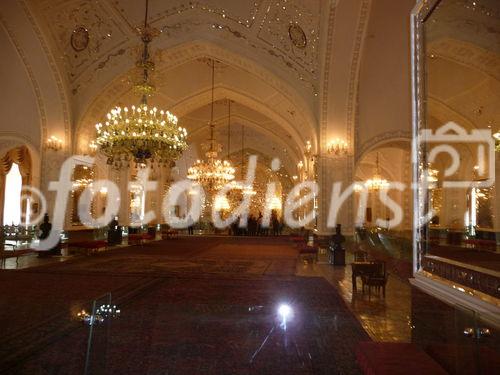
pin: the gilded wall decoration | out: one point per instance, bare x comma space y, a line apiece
262, 26
66, 21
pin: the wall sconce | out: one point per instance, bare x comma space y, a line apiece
300, 165
308, 148
93, 146
497, 140
54, 143
338, 147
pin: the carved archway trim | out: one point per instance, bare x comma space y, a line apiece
382, 140
190, 51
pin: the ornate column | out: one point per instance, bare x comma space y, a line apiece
163, 182
496, 198
50, 170
330, 171
121, 179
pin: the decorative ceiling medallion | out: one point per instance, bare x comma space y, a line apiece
297, 36
79, 38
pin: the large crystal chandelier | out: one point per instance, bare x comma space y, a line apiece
141, 133
212, 173
377, 182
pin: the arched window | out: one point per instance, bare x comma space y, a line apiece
12, 202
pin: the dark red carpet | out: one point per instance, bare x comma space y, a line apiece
181, 319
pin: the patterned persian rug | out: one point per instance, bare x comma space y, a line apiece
181, 326
189, 306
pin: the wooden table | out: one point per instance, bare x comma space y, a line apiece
361, 269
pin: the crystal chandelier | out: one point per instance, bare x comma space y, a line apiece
212, 173
377, 182
141, 133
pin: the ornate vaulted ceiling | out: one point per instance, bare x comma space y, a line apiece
463, 62
258, 29
270, 49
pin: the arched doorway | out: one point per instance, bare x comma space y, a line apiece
15, 171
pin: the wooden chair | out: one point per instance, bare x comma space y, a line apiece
376, 279
309, 253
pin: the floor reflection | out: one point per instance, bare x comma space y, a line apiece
385, 319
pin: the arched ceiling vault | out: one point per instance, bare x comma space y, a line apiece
185, 88
251, 36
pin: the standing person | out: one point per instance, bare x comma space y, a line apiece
275, 223
252, 225
259, 224
45, 229
190, 225
337, 251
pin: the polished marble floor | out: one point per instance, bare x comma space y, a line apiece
385, 319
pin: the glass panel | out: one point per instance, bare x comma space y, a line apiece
99, 328
488, 341
477, 344
465, 355
457, 94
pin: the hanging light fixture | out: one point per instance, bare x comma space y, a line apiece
377, 182
222, 203
246, 189
141, 133
212, 173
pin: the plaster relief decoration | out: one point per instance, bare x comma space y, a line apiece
292, 27
467, 54
236, 21
297, 36
241, 12
80, 38
85, 33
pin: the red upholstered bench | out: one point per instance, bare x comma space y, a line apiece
139, 238
135, 239
449, 352
388, 358
89, 246
171, 233
14, 254
482, 244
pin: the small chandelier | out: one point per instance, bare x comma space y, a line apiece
377, 182
431, 178
212, 173
141, 133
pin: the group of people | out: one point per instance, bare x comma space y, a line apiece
256, 227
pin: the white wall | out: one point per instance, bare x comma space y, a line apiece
18, 106
384, 81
